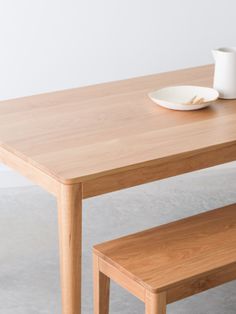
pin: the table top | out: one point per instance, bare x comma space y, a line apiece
80, 134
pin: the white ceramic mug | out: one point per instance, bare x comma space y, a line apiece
225, 72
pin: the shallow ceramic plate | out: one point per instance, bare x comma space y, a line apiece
178, 97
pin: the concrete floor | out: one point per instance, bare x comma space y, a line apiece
29, 277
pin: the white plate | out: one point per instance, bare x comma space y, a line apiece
175, 97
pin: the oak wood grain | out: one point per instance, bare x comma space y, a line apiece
178, 292
49, 183
197, 285
171, 255
84, 134
155, 303
105, 138
158, 170
119, 277
70, 240
101, 287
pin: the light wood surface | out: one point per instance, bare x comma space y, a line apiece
159, 170
37, 176
70, 236
83, 134
155, 303
181, 291
89, 141
101, 286
197, 285
170, 255
122, 279
170, 262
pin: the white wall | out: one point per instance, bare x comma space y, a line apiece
56, 44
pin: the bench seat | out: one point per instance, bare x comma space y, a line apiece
180, 258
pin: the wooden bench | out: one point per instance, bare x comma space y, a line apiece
169, 262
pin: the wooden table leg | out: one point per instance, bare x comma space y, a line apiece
70, 236
155, 303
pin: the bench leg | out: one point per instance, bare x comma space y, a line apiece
155, 303
101, 289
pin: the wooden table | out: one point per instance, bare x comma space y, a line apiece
88, 141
